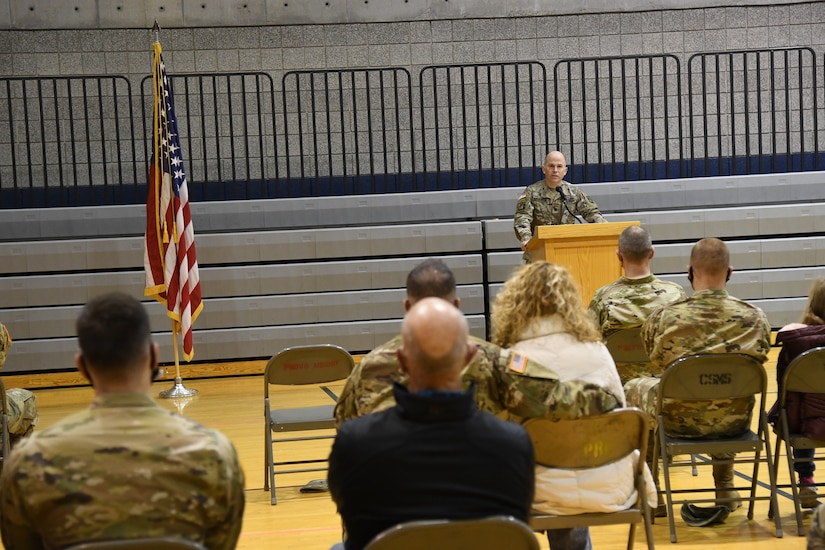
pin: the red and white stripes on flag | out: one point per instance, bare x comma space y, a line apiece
169, 256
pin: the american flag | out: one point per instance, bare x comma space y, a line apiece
169, 255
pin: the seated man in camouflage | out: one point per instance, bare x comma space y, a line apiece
711, 321
628, 301
21, 403
502, 380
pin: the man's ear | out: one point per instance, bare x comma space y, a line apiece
407, 304
730, 272
80, 363
472, 349
652, 252
402, 360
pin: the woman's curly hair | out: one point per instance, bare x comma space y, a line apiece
538, 290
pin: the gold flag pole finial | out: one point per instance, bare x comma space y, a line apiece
156, 30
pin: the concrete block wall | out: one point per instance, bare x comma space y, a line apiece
111, 37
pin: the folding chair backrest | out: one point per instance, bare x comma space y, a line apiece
588, 442
710, 376
314, 364
625, 346
151, 543
491, 533
806, 373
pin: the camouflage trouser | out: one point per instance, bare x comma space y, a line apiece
816, 534
692, 419
629, 371
22, 412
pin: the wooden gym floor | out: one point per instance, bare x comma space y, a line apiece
234, 405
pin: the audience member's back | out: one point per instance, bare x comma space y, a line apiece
124, 467
434, 454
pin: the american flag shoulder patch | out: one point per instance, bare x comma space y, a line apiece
518, 362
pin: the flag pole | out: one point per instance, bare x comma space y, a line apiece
178, 390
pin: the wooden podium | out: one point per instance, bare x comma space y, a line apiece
588, 250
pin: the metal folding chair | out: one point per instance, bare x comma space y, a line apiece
493, 533
710, 377
805, 374
591, 442
314, 364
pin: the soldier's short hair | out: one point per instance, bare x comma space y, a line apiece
710, 255
431, 278
113, 331
635, 243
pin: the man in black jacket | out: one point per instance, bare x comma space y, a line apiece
433, 455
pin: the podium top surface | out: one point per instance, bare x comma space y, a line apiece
579, 230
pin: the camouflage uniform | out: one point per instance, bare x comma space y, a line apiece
22, 406
499, 386
626, 303
122, 468
816, 534
709, 322
540, 205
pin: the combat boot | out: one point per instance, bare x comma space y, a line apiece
723, 479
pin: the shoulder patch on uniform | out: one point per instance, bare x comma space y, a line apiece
518, 362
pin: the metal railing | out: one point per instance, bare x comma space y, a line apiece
753, 111
68, 141
483, 125
65, 137
227, 128
620, 118
349, 131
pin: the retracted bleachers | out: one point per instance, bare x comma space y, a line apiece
297, 271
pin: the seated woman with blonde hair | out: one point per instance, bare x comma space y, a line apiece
539, 313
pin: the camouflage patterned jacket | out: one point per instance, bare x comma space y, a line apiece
22, 405
540, 205
505, 381
626, 303
123, 468
816, 534
711, 321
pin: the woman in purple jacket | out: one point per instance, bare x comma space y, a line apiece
806, 414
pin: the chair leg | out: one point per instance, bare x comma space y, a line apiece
771, 473
631, 537
270, 467
666, 472
693, 470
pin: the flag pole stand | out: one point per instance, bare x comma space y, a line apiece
178, 390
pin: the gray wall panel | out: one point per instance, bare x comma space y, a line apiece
498, 202
464, 237
449, 205
499, 235
786, 219
228, 248
788, 283
782, 311
731, 222
500, 265
278, 246
793, 252
115, 253
289, 213
227, 215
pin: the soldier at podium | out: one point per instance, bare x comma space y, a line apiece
552, 201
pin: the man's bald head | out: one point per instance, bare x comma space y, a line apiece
435, 344
635, 244
710, 256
